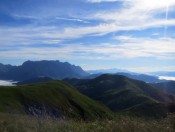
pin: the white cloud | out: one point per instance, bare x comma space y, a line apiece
72, 19
98, 1
33, 35
132, 48
25, 16
27, 36
18, 42
167, 78
146, 47
135, 15
152, 5
105, 29
139, 14
155, 34
6, 83
124, 38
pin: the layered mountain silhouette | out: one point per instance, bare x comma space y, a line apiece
104, 71
121, 93
60, 70
137, 76
142, 77
32, 69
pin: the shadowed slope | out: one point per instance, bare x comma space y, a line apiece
168, 87
121, 93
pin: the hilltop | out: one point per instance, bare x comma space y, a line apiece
122, 94
54, 98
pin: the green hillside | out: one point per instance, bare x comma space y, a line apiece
122, 94
54, 98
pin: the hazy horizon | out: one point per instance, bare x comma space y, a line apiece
114, 68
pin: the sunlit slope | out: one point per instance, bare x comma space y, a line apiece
54, 98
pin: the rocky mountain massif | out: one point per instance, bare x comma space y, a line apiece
32, 69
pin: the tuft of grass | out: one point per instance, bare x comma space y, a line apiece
20, 123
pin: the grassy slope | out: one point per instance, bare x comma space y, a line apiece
121, 93
19, 123
54, 98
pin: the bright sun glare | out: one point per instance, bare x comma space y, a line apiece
157, 3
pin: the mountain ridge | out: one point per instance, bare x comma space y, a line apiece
33, 69
120, 93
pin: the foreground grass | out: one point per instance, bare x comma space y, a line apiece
19, 123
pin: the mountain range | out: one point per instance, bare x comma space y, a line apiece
102, 71
137, 76
39, 92
143, 77
33, 69
61, 70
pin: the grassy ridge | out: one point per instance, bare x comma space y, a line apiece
122, 94
54, 98
19, 123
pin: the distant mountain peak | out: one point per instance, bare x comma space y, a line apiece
112, 70
50, 68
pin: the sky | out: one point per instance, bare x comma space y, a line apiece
137, 35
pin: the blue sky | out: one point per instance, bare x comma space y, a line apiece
137, 35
